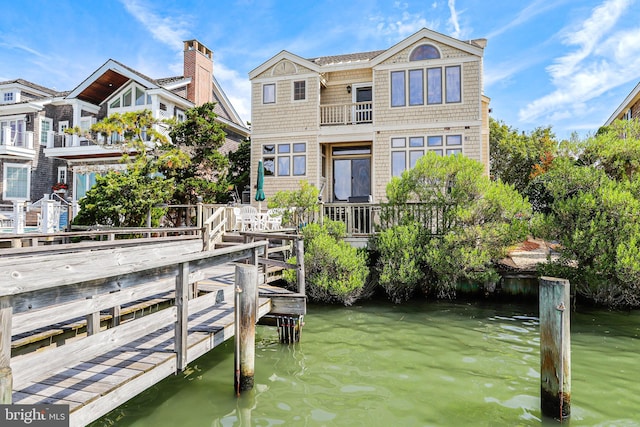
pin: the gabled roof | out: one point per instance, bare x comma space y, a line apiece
21, 82
372, 58
471, 47
280, 56
107, 79
628, 102
224, 109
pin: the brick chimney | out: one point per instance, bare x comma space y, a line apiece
198, 64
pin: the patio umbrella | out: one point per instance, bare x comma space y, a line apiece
259, 187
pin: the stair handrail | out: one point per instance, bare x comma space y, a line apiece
214, 227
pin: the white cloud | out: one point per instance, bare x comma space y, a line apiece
453, 19
604, 58
526, 14
170, 31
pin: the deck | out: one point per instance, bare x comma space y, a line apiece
188, 293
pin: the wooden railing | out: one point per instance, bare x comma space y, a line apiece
365, 219
214, 227
32, 298
344, 114
360, 219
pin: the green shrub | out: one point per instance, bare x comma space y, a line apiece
401, 261
334, 270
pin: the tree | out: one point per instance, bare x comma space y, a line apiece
124, 199
198, 138
516, 158
482, 219
593, 214
240, 167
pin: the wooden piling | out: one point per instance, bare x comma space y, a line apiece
6, 378
246, 280
182, 305
300, 266
555, 348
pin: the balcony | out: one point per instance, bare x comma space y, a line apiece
346, 114
16, 143
65, 146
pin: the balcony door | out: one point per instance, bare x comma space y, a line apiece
351, 174
363, 97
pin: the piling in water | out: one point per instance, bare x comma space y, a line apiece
555, 348
246, 279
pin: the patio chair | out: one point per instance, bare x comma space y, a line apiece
238, 221
274, 219
248, 218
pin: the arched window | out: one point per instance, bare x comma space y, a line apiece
425, 51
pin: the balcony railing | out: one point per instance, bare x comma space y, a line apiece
21, 139
346, 114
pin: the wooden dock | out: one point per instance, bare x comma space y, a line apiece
111, 358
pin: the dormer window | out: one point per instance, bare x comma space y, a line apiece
425, 51
8, 97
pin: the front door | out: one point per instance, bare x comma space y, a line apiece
351, 180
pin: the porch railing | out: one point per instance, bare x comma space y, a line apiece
367, 219
346, 114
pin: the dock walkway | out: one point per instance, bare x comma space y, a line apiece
111, 362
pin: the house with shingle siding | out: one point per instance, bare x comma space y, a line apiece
349, 123
35, 151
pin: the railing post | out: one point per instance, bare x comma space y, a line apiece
300, 266
245, 326
93, 321
182, 305
555, 348
6, 378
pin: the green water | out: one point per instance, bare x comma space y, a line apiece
421, 364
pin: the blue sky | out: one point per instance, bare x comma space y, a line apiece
561, 63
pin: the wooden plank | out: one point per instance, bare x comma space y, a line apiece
33, 365
95, 409
34, 288
208, 300
19, 255
288, 304
52, 394
6, 377
75, 379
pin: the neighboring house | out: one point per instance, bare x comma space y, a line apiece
26, 171
629, 109
349, 123
40, 154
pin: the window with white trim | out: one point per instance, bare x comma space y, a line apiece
46, 125
62, 174
269, 93
300, 90
405, 152
16, 180
8, 97
442, 84
286, 159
